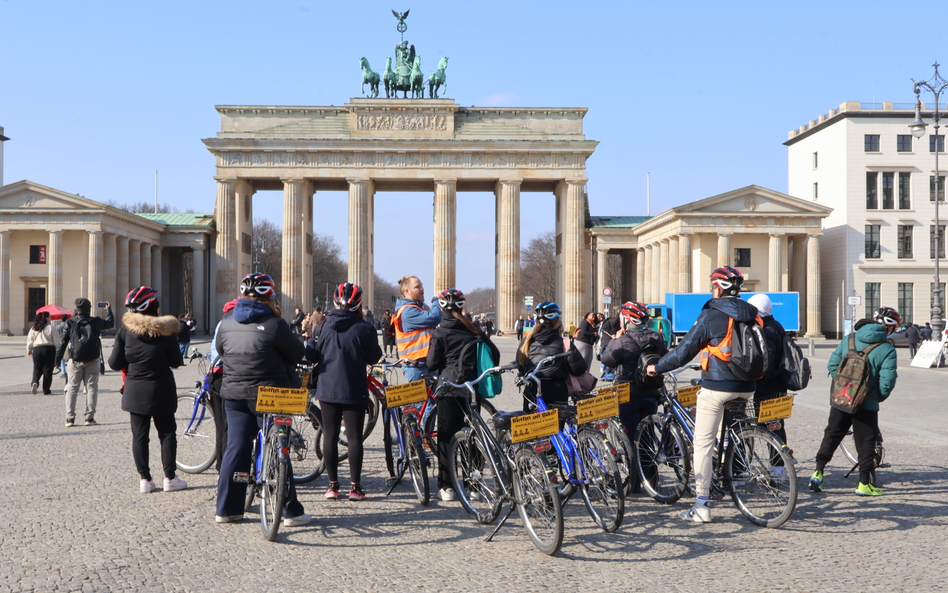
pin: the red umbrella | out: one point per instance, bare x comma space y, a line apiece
55, 311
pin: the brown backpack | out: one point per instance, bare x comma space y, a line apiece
852, 380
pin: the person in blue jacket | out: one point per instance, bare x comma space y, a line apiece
414, 322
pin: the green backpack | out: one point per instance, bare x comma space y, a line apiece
492, 384
852, 380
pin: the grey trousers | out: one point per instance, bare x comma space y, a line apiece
80, 373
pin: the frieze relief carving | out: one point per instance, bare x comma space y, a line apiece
409, 159
259, 158
281, 158
402, 122
234, 158
29, 199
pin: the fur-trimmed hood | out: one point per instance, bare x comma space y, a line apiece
149, 326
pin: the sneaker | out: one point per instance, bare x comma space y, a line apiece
357, 494
147, 486
90, 421
816, 481
34, 388
333, 492
868, 490
474, 496
174, 484
297, 521
700, 513
228, 518
70, 422
447, 494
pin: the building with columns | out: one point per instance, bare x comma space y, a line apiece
56, 247
773, 238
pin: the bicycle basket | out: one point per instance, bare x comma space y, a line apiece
739, 409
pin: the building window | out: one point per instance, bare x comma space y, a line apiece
742, 257
931, 188
905, 301
872, 298
932, 304
941, 241
905, 240
872, 191
37, 254
872, 241
35, 298
816, 160
934, 141
888, 199
903, 143
872, 142
816, 191
905, 201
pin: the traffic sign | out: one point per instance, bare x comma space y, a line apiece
528, 300
607, 300
529, 307
855, 301
607, 292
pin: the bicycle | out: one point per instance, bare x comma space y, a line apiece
485, 474
197, 443
849, 450
587, 460
405, 451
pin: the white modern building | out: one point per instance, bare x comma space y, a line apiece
878, 243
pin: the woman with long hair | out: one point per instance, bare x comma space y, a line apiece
586, 336
346, 344
41, 344
454, 357
545, 340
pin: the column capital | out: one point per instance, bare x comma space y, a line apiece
576, 180
777, 234
226, 180
354, 180
292, 180
665, 240
5, 233
451, 181
642, 249
56, 232
725, 234
513, 182
814, 235
130, 241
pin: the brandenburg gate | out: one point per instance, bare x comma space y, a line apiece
408, 145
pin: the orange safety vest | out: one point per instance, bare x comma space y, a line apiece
412, 345
723, 349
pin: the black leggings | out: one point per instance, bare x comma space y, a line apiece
166, 435
43, 359
333, 415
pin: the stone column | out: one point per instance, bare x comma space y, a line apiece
775, 276
96, 287
646, 295
198, 298
110, 291
684, 263
360, 216
574, 278
54, 268
307, 236
507, 228
640, 267
602, 264
5, 283
657, 273
673, 279
445, 235
295, 254
156, 269
226, 248
813, 316
134, 263
724, 249
121, 271
145, 267
662, 270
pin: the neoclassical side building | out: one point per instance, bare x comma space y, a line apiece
773, 238
56, 247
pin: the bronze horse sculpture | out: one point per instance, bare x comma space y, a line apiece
369, 77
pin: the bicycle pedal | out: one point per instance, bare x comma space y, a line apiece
241, 477
389, 482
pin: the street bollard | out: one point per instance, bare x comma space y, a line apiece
812, 350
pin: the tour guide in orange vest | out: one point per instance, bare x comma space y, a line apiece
413, 324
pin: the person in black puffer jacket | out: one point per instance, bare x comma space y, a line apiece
146, 349
546, 340
257, 348
453, 355
346, 344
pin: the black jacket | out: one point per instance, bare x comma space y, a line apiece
587, 333
912, 334
608, 329
771, 384
452, 354
257, 348
97, 322
547, 341
623, 353
147, 349
346, 345
184, 332
711, 328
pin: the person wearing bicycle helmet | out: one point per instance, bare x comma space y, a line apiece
453, 355
710, 337
864, 420
146, 349
257, 348
546, 340
346, 344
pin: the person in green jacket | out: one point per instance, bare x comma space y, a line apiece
865, 419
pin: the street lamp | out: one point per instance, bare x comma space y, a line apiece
935, 85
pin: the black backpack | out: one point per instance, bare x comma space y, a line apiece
650, 354
794, 368
750, 358
83, 340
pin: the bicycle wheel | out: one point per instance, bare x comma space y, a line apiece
848, 447
602, 488
197, 439
430, 429
661, 458
372, 411
417, 463
538, 503
306, 434
473, 478
760, 477
273, 486
625, 454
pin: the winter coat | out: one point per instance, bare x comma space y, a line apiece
346, 345
388, 339
547, 342
710, 329
912, 335
607, 332
882, 363
146, 347
623, 354
48, 336
452, 352
184, 332
587, 333
771, 384
257, 348
65, 333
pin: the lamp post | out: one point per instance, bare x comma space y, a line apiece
935, 85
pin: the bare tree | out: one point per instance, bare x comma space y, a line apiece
266, 247
480, 300
329, 269
538, 267
144, 207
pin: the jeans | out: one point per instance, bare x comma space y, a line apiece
165, 425
183, 347
415, 373
80, 373
708, 417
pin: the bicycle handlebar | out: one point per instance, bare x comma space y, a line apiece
532, 375
469, 385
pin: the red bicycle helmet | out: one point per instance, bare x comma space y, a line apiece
347, 296
729, 279
140, 299
633, 313
451, 299
888, 317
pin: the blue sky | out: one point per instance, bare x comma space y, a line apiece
97, 96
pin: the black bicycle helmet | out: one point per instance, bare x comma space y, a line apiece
140, 299
451, 299
257, 283
347, 296
888, 317
729, 279
547, 312
633, 313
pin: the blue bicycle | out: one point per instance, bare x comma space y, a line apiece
197, 436
270, 472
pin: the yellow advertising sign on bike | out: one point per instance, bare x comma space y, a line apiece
775, 409
281, 400
534, 426
408, 393
688, 396
621, 391
597, 408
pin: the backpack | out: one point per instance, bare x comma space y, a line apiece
749, 359
649, 356
83, 340
852, 380
492, 384
794, 368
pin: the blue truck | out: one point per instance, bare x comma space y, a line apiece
678, 313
